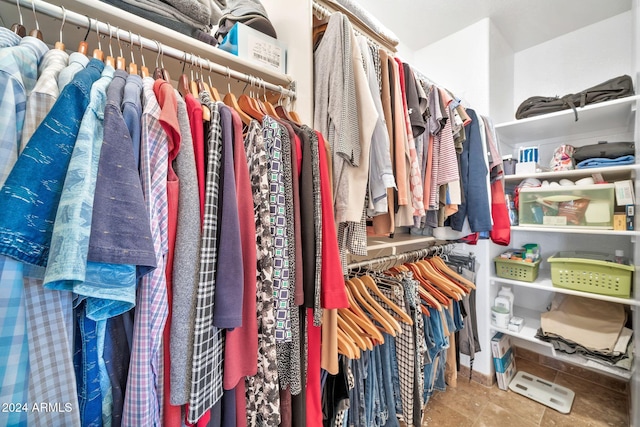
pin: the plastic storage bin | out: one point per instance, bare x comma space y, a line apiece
517, 270
583, 206
591, 272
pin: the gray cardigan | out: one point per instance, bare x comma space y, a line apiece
186, 265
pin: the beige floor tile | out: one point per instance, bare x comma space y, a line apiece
536, 369
441, 415
468, 398
517, 404
495, 416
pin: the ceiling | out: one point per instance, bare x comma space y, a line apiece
524, 23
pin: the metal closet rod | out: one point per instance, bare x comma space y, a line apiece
386, 262
75, 18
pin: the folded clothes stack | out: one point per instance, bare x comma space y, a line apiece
598, 162
194, 18
591, 328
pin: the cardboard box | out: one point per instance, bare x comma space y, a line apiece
256, 47
620, 221
624, 193
503, 359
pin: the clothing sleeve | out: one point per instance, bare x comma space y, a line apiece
230, 276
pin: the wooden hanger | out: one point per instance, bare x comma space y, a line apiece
360, 317
440, 281
371, 284
379, 317
231, 101
445, 269
36, 33
357, 281
211, 88
110, 60
59, 44
318, 32
133, 67
346, 347
19, 28
98, 53
428, 286
144, 71
160, 72
121, 63
352, 333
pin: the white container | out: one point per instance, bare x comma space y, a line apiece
500, 317
503, 302
506, 292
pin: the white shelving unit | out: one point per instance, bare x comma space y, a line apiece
610, 121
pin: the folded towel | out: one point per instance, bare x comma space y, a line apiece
203, 19
602, 162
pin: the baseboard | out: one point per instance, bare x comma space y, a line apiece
485, 380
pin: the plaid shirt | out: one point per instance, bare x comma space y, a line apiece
18, 73
142, 406
45, 93
8, 38
206, 380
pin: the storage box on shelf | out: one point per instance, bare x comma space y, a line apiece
517, 270
591, 272
567, 206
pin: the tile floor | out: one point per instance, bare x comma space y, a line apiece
471, 404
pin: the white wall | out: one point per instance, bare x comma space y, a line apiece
575, 61
405, 53
460, 62
500, 77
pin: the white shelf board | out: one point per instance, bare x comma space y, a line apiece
574, 230
615, 114
612, 173
543, 283
376, 243
528, 333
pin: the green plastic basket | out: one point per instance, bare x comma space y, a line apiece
591, 272
517, 270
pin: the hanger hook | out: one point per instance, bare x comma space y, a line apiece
110, 38
140, 48
209, 75
133, 60
118, 39
158, 55
184, 61
228, 80
192, 64
19, 12
88, 28
98, 35
35, 15
64, 19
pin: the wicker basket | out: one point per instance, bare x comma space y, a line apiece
591, 272
517, 270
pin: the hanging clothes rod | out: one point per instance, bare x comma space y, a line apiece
386, 262
75, 18
322, 12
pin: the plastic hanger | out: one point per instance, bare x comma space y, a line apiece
121, 63
254, 97
35, 33
19, 28
98, 53
144, 71
231, 101
133, 67
60, 44
195, 91
280, 110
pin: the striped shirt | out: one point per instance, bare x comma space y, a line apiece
144, 386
